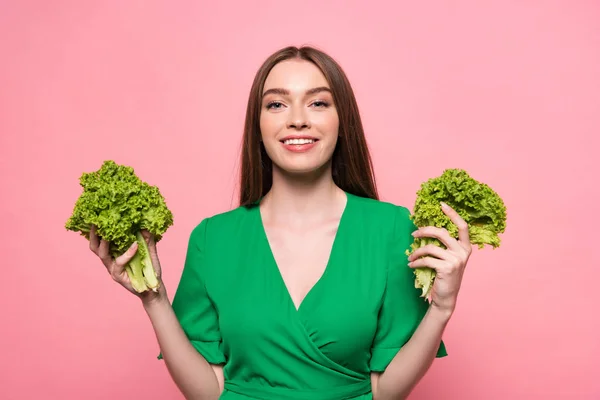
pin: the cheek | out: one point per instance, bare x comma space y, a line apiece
328, 149
268, 129
271, 124
328, 123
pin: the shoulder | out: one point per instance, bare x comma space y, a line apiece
222, 224
383, 214
387, 229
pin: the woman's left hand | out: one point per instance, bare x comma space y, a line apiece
449, 263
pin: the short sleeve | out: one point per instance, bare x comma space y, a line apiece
402, 307
192, 304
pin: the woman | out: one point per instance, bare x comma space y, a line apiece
304, 291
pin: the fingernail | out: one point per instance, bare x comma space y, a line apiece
444, 205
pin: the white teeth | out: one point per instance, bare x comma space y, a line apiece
299, 141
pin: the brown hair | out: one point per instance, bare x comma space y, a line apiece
352, 167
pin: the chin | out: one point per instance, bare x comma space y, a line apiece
301, 168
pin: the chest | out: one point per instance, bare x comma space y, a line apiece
302, 255
334, 274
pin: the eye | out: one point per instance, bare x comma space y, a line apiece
320, 104
274, 104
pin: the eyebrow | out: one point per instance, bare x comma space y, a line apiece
285, 92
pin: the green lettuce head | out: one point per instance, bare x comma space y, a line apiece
120, 205
481, 208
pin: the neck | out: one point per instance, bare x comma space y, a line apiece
303, 198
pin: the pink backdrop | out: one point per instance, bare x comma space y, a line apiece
508, 90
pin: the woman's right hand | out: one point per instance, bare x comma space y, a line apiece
116, 266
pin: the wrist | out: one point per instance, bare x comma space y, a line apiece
442, 314
153, 299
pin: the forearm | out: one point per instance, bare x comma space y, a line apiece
414, 359
192, 374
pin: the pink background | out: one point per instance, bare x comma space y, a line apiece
509, 90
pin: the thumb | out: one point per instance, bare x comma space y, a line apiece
124, 258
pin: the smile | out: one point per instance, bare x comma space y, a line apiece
299, 145
299, 141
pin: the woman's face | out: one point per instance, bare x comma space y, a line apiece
298, 120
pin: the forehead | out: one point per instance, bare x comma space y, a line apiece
295, 75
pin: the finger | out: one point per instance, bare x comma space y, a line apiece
152, 244
154, 255
124, 258
103, 252
430, 262
438, 233
146, 234
430, 250
150, 241
94, 241
463, 227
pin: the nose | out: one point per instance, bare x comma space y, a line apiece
298, 118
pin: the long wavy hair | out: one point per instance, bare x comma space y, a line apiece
352, 167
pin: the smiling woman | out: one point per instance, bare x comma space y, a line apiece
303, 94
304, 290
304, 107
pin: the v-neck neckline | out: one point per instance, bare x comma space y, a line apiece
273, 261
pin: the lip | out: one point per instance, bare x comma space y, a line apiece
299, 148
289, 137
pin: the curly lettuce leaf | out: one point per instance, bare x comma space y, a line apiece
478, 204
120, 205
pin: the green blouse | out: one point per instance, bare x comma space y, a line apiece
236, 310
